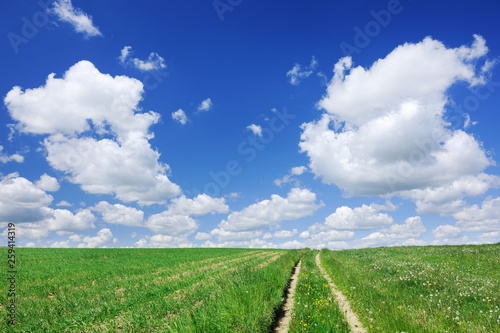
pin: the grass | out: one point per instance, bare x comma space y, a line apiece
421, 289
315, 309
148, 290
398, 289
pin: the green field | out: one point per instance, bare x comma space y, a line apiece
167, 290
421, 289
400, 289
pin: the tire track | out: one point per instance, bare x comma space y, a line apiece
350, 316
284, 322
269, 261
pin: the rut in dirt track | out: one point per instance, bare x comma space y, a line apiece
284, 315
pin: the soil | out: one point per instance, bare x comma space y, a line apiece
284, 322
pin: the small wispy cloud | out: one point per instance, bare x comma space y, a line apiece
63, 203
153, 62
7, 158
205, 105
180, 116
256, 129
295, 171
297, 74
81, 22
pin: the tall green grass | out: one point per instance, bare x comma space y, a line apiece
421, 289
315, 309
244, 301
146, 290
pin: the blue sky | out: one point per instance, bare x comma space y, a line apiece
249, 123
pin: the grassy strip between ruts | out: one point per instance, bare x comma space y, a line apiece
119, 290
315, 309
421, 289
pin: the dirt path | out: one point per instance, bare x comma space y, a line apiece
284, 322
350, 316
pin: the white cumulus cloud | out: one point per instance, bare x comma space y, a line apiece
484, 218
48, 183
384, 128
446, 231
180, 117
489, 237
177, 219
205, 105
202, 204
21, 201
268, 213
120, 214
104, 236
173, 225
123, 163
256, 129
397, 234
364, 217
64, 221
323, 238
448, 199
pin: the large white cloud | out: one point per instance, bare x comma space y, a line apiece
84, 100
84, 96
384, 129
268, 213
